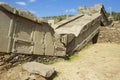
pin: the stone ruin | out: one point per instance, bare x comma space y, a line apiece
23, 33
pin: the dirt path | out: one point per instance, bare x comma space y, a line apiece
96, 62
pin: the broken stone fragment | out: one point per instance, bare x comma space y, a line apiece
60, 49
38, 68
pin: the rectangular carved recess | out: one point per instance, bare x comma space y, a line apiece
23, 47
23, 36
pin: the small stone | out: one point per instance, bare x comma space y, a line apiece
32, 77
38, 68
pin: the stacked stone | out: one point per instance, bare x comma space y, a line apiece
110, 34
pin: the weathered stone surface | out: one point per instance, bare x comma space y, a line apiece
92, 10
7, 7
5, 41
17, 73
110, 34
99, 8
38, 68
77, 26
82, 29
22, 13
39, 35
59, 24
27, 34
49, 44
70, 38
60, 49
24, 33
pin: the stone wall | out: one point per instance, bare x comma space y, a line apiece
110, 34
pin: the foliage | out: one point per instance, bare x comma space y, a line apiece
57, 18
72, 57
115, 15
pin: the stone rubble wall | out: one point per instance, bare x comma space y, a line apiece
110, 34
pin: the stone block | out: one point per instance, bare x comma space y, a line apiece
38, 68
60, 49
7, 7
49, 44
4, 44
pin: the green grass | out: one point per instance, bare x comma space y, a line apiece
72, 57
77, 54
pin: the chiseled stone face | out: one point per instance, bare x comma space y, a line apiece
95, 9
60, 49
25, 33
28, 34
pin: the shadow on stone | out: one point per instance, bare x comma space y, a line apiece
53, 76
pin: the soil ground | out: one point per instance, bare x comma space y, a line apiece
96, 62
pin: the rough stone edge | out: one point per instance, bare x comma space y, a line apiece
59, 24
22, 13
81, 30
48, 70
98, 8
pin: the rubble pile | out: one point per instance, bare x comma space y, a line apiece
28, 71
8, 61
110, 33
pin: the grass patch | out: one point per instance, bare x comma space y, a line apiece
54, 61
72, 57
87, 46
78, 54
